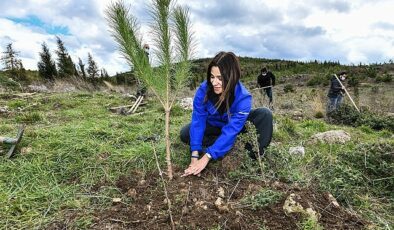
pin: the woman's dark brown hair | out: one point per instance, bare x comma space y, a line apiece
230, 71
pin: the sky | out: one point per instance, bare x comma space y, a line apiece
351, 32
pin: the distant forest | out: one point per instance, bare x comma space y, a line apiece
61, 66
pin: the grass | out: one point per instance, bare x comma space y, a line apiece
73, 149
77, 144
262, 199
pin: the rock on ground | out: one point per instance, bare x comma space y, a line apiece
331, 137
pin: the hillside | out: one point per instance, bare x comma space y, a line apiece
81, 166
313, 73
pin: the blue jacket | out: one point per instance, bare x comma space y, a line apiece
205, 112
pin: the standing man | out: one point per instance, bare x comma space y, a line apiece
266, 80
141, 87
335, 94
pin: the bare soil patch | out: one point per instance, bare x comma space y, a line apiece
194, 205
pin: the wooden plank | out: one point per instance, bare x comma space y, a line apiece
18, 138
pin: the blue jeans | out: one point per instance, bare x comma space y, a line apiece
268, 91
334, 102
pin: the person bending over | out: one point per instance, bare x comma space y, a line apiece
221, 106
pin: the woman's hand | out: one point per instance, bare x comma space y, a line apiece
193, 161
196, 166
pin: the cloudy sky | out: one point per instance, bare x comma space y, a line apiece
347, 31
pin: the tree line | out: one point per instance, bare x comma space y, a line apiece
50, 68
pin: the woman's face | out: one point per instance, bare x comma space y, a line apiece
216, 80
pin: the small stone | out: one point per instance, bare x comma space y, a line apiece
186, 103
278, 185
116, 200
298, 150
199, 203
166, 201
4, 109
185, 210
132, 193
220, 205
221, 192
292, 206
332, 200
26, 150
141, 182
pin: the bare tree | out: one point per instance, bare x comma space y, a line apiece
172, 42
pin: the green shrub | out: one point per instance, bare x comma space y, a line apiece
288, 88
319, 114
368, 168
384, 78
347, 115
371, 72
353, 81
288, 126
318, 80
262, 199
32, 117
310, 224
8, 83
366, 129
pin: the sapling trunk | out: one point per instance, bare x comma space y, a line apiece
168, 145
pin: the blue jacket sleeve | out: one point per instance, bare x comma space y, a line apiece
199, 118
230, 131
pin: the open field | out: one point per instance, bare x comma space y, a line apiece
80, 166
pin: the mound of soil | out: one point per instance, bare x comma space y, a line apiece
214, 201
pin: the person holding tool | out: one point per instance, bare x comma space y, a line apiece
336, 91
266, 80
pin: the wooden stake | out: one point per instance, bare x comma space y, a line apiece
136, 103
263, 87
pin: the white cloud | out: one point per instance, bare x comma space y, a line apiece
348, 31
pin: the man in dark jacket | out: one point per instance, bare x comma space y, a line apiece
141, 87
335, 94
266, 80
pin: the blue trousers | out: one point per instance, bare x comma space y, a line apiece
334, 103
268, 91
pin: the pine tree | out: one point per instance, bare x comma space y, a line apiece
10, 58
46, 66
13, 65
173, 38
104, 73
66, 67
93, 71
82, 68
